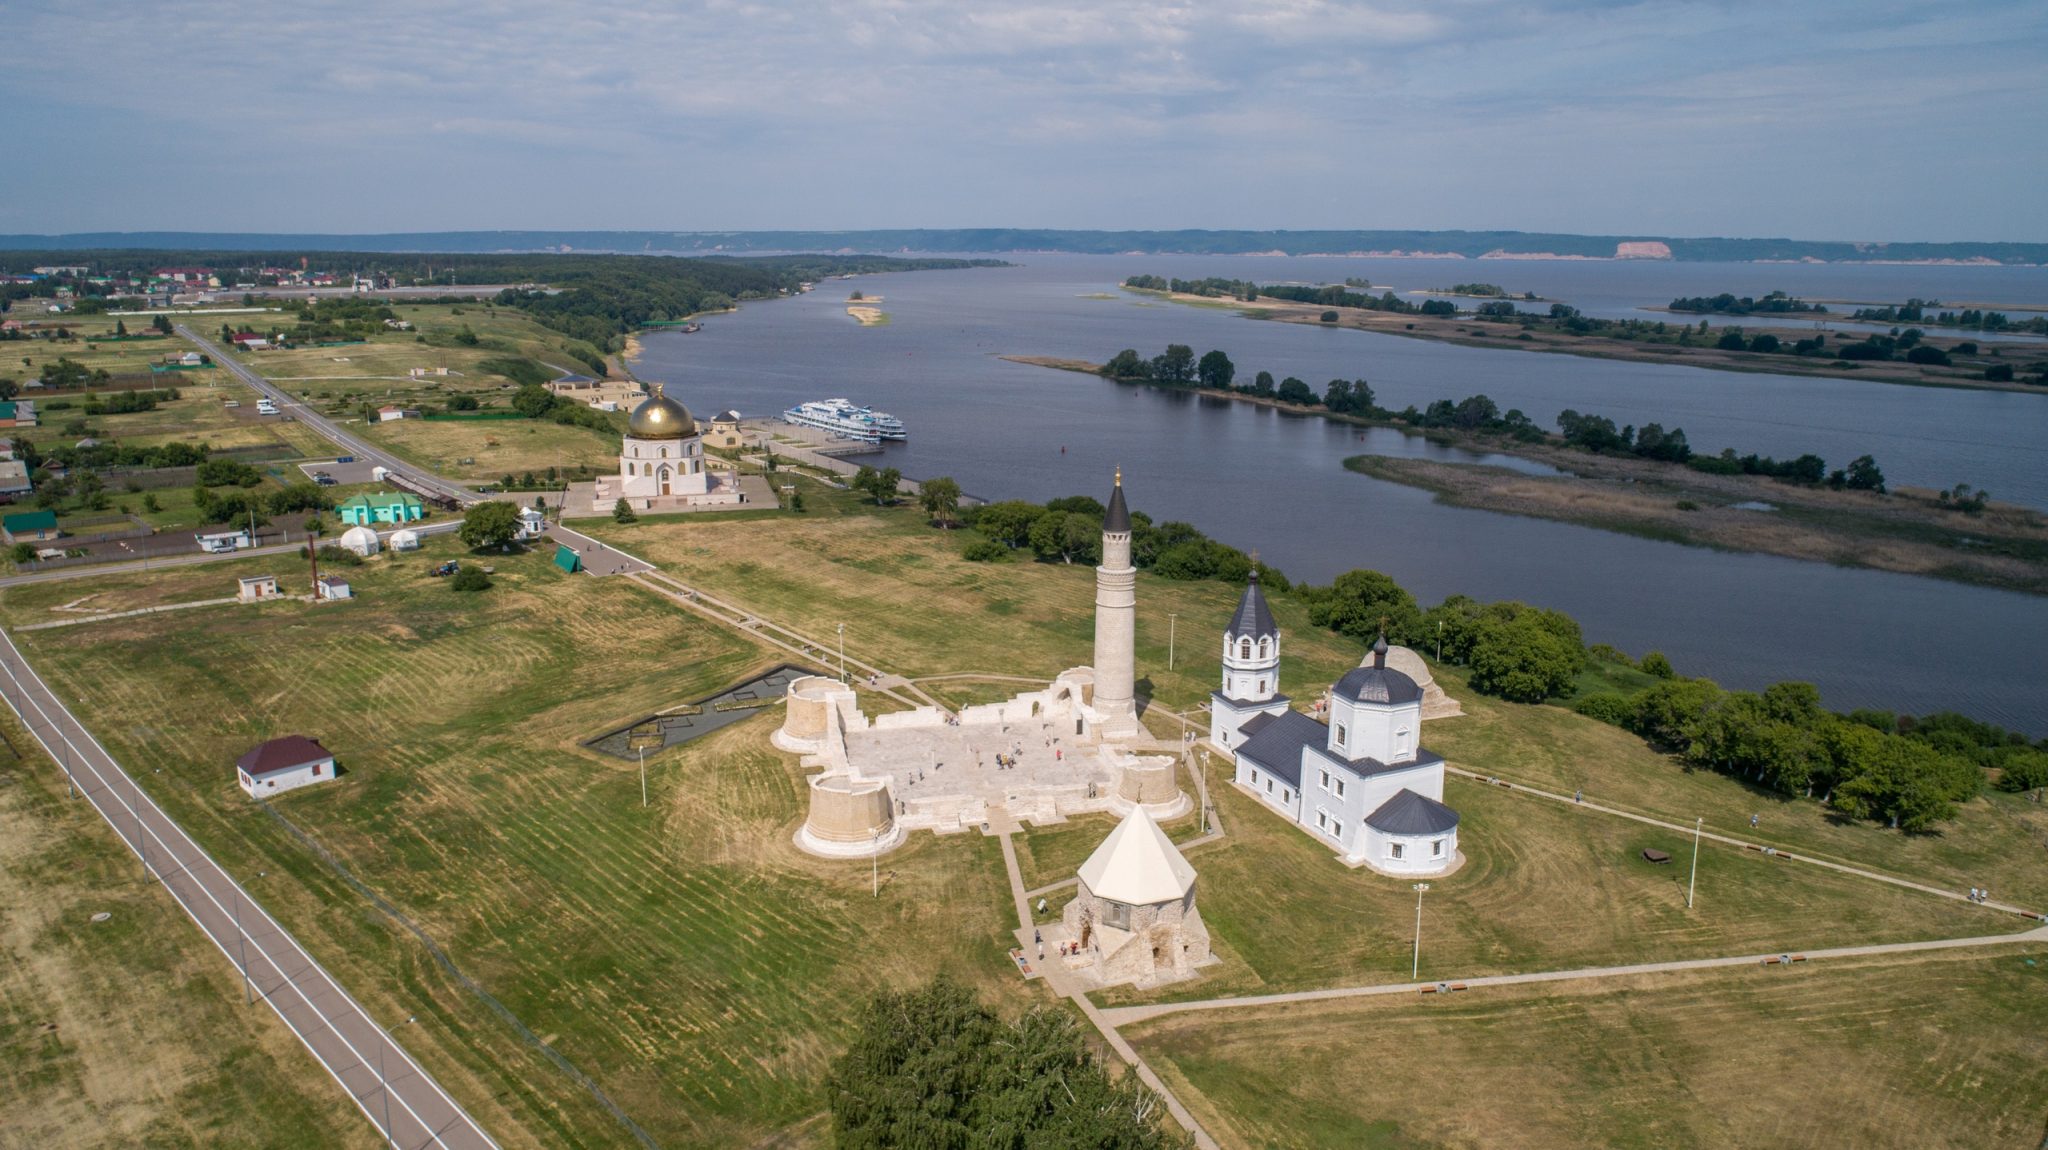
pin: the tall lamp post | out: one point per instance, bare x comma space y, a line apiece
1415, 969
875, 861
643, 774
842, 652
1695, 878
1172, 620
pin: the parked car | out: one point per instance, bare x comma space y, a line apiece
323, 479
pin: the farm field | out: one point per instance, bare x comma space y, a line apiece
1937, 1052
97, 1019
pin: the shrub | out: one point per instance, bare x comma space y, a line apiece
1688, 505
1612, 709
985, 551
1329, 317
1656, 664
1998, 373
471, 578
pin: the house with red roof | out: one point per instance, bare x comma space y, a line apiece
284, 764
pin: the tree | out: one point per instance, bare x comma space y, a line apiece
1655, 663
1126, 364
1295, 391
1216, 370
1262, 384
466, 337
940, 498
1176, 365
1008, 522
1522, 660
533, 400
22, 554
1356, 601
622, 512
490, 524
933, 1068
880, 484
1863, 475
1066, 536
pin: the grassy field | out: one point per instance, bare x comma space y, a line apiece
703, 971
97, 1019
685, 956
488, 450
1937, 1052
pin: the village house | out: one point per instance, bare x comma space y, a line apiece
29, 526
14, 481
381, 507
284, 764
256, 588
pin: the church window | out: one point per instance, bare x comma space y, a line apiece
1326, 780
1336, 829
1269, 786
1394, 851
1265, 648
1436, 849
1340, 734
1244, 648
1286, 796
1262, 686
1322, 820
1340, 788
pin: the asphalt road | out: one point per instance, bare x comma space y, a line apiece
415, 476
406, 1106
184, 560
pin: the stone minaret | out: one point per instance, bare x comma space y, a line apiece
1116, 604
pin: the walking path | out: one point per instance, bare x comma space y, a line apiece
406, 1105
1126, 1015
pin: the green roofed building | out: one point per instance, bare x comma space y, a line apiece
567, 559
29, 526
381, 507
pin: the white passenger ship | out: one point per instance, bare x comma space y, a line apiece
846, 420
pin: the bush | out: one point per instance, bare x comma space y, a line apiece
1329, 317
471, 578
985, 551
1612, 709
1998, 373
335, 555
1656, 664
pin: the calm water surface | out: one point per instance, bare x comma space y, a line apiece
1258, 478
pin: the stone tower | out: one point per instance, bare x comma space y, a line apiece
1116, 605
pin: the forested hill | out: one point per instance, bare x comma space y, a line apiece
1194, 242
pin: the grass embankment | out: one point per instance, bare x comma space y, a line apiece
1906, 531
1466, 331
702, 970
1937, 1052
98, 1020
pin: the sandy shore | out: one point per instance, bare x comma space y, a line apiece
868, 316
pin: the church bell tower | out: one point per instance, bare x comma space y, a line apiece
1251, 668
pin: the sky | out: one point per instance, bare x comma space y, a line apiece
1863, 120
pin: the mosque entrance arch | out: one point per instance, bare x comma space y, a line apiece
664, 478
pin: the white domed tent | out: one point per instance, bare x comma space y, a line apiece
405, 539
1435, 704
360, 540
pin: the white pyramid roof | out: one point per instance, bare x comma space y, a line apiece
1137, 864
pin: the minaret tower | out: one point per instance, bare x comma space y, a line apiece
1251, 668
1116, 605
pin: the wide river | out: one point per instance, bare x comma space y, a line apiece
1253, 477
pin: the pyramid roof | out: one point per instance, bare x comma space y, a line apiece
1137, 864
1252, 618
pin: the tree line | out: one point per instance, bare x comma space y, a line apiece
1727, 303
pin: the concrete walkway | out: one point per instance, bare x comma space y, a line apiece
1126, 1015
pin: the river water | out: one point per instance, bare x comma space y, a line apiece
1254, 477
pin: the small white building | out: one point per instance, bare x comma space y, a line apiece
331, 587
360, 540
283, 765
404, 539
533, 523
221, 541
256, 588
387, 414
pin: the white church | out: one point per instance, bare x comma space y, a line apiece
1360, 782
661, 463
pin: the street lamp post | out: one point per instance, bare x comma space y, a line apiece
1695, 877
1439, 640
1415, 969
1172, 621
643, 775
842, 652
875, 861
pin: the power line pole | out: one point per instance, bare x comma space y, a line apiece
1415, 969
1694, 880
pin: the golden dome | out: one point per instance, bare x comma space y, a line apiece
659, 417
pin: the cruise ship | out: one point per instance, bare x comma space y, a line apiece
846, 420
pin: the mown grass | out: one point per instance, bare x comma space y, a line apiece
685, 955
488, 450
97, 1020
1943, 1051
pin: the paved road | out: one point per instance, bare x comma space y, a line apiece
1124, 1016
349, 444
405, 1105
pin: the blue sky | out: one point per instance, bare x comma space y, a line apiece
1868, 120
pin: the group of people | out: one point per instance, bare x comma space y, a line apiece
1978, 895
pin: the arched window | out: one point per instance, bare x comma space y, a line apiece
1340, 734
1265, 648
1244, 648
664, 453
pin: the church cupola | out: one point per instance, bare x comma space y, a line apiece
1251, 647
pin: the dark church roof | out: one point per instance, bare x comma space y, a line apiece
1252, 617
1117, 520
1408, 813
1378, 683
1276, 746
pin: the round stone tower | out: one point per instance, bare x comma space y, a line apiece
1116, 607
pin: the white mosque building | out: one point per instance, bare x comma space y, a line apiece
1360, 782
661, 463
